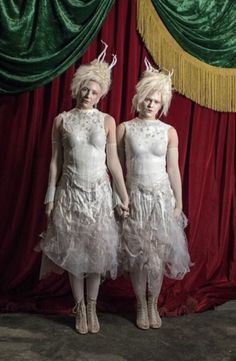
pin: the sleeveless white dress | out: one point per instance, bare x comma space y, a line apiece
153, 239
82, 235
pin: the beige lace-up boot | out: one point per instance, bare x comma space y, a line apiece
153, 314
142, 313
93, 324
80, 317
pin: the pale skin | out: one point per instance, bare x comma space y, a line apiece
149, 109
88, 96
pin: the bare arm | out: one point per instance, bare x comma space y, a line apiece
55, 165
172, 163
113, 161
120, 138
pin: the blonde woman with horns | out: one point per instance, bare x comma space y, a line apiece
154, 243
82, 236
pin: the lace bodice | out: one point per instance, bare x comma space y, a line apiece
84, 140
146, 146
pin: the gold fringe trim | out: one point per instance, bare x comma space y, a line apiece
205, 84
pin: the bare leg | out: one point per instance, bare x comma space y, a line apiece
92, 286
77, 286
139, 282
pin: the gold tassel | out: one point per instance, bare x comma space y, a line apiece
207, 85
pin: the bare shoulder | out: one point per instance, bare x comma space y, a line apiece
172, 132
109, 123
120, 131
108, 119
172, 137
121, 127
57, 121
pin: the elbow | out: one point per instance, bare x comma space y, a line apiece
173, 172
111, 169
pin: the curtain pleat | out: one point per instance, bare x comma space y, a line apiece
207, 162
41, 39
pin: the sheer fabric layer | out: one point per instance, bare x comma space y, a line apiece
82, 235
153, 239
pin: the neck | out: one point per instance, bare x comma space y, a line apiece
140, 117
84, 109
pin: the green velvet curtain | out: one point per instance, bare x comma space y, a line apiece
41, 38
205, 29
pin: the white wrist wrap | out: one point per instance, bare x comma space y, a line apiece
50, 194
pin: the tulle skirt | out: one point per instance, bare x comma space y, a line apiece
153, 239
82, 236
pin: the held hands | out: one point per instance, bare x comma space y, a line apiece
48, 209
123, 209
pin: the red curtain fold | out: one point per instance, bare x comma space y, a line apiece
207, 163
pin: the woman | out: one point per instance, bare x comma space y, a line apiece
154, 243
82, 234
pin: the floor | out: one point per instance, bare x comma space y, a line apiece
208, 336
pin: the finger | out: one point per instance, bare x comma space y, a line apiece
176, 215
125, 208
125, 214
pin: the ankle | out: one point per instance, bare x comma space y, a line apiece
80, 317
153, 314
142, 320
93, 324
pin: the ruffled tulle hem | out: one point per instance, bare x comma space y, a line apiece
82, 236
83, 257
152, 238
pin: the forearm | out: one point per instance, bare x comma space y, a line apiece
56, 161
175, 181
54, 173
118, 179
121, 155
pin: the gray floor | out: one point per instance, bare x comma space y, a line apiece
208, 336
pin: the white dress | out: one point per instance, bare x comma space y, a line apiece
153, 240
82, 235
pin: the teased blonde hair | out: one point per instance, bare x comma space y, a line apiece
153, 80
98, 71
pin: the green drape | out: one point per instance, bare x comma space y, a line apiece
205, 29
41, 38
189, 44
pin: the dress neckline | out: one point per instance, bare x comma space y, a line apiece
147, 121
84, 111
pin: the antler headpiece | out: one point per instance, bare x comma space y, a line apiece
97, 70
154, 80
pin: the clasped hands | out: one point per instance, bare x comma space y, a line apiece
123, 209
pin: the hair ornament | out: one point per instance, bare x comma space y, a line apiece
148, 65
97, 70
154, 80
101, 56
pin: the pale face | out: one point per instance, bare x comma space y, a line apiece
151, 105
89, 95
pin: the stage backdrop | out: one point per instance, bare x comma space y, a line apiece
207, 163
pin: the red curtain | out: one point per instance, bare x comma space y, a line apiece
207, 162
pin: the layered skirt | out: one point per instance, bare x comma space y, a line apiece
82, 236
153, 239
